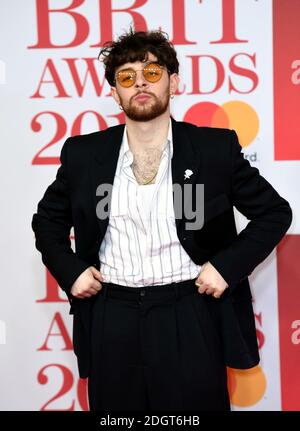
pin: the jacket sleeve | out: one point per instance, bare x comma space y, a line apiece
52, 224
270, 217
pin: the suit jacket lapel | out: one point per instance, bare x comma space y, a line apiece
104, 164
185, 156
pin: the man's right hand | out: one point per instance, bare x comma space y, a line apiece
87, 284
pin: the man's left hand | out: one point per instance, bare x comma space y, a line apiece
210, 281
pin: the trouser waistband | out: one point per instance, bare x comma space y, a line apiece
152, 292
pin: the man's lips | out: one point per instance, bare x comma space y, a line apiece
142, 97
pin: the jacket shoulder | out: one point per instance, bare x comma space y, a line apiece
209, 139
209, 132
95, 137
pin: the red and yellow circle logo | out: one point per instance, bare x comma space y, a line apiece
246, 387
235, 115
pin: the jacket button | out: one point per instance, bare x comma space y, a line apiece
184, 238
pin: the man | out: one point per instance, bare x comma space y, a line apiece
160, 308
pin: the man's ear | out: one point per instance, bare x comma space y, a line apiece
115, 95
174, 82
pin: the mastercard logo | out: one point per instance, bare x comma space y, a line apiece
246, 387
235, 115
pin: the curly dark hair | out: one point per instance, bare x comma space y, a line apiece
134, 46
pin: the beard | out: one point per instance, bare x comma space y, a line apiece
153, 108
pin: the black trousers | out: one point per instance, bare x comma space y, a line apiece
155, 348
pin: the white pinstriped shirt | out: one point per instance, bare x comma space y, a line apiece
141, 246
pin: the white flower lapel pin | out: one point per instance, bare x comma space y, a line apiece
187, 174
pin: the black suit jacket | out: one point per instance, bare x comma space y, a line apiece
214, 156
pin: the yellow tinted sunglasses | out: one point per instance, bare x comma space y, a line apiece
152, 72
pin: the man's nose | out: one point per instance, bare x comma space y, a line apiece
140, 80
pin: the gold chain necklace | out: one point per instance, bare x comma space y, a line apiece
147, 181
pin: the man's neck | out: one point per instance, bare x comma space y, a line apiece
150, 134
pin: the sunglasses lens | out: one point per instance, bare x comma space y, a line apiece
126, 78
152, 72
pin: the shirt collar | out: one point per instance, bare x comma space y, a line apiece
127, 155
170, 140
